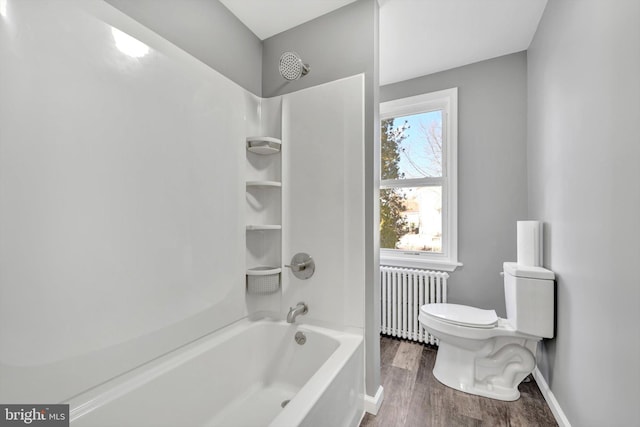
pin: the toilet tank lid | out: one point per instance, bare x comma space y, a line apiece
518, 270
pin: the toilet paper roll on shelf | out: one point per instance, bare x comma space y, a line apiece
529, 243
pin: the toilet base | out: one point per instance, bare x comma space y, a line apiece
493, 371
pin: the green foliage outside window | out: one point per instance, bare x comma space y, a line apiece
393, 225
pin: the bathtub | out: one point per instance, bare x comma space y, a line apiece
252, 373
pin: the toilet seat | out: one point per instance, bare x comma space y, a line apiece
469, 323
461, 315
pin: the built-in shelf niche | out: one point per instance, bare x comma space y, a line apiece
263, 280
263, 227
259, 184
264, 214
263, 145
263, 271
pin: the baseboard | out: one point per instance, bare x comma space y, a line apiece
372, 404
559, 415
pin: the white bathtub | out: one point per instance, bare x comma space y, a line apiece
239, 376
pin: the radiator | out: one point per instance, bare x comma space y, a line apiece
403, 292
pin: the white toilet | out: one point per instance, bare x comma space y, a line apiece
480, 353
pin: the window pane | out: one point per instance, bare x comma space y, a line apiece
411, 146
411, 218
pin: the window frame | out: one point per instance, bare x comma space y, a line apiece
447, 101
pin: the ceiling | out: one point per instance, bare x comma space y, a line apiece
438, 35
417, 37
269, 17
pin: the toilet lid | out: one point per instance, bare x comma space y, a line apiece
462, 315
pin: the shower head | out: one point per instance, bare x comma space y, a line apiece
292, 67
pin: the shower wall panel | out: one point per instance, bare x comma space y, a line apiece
121, 197
323, 190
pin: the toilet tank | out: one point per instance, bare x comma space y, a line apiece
529, 297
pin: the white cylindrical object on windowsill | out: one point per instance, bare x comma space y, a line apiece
530, 243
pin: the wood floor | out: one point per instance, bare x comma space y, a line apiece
413, 397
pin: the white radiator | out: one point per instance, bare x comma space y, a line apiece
403, 292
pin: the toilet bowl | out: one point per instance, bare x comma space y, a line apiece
482, 354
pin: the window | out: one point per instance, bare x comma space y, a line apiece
418, 181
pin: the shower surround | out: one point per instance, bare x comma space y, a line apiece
122, 199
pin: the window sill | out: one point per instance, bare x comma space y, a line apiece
427, 264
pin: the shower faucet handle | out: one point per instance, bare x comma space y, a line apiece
299, 266
302, 266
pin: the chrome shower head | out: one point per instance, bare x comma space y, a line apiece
292, 67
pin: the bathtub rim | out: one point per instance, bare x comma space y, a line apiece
310, 393
103, 394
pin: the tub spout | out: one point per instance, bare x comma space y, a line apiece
296, 311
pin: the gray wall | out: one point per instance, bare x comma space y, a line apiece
337, 45
207, 30
584, 182
492, 177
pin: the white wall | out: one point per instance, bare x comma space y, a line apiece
121, 198
321, 168
323, 189
584, 183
